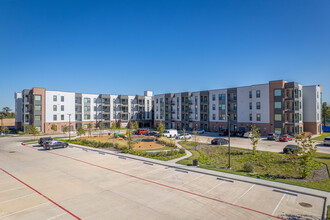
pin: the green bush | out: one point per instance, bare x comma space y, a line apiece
161, 155
248, 167
167, 142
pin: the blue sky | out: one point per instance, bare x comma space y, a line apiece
165, 46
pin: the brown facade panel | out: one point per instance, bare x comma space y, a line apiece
215, 126
265, 128
313, 127
42, 92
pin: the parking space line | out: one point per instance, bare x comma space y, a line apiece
21, 187
56, 216
17, 198
278, 204
73, 215
161, 184
214, 187
13, 213
243, 194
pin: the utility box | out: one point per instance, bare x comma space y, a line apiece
195, 162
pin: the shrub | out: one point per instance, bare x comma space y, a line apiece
248, 167
167, 142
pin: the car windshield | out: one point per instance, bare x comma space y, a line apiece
283, 135
327, 138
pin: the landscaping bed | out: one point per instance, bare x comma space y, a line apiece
266, 165
322, 136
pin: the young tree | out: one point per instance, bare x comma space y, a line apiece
81, 131
195, 135
136, 125
113, 128
90, 126
54, 128
102, 127
65, 129
184, 134
255, 138
306, 152
4, 130
325, 112
33, 130
161, 129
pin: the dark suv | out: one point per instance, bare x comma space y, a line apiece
272, 136
44, 139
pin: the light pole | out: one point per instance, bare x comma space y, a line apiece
228, 116
129, 124
69, 127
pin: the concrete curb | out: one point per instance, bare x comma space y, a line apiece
233, 177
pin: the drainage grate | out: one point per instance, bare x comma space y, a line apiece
306, 205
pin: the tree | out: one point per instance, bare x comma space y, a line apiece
33, 130
161, 129
54, 127
4, 130
89, 126
255, 137
184, 134
136, 125
65, 129
81, 131
101, 127
196, 135
113, 128
325, 112
306, 152
6, 110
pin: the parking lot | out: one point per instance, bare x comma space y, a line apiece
264, 144
74, 183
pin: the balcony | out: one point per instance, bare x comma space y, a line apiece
172, 103
173, 111
204, 110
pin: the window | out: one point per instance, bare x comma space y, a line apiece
87, 108
318, 94
85, 126
222, 97
299, 93
177, 100
278, 117
222, 107
213, 116
258, 93
213, 107
87, 117
299, 105
37, 117
235, 96
54, 117
54, 108
37, 98
258, 117
156, 101
62, 98
250, 94
235, 106
38, 128
55, 98
300, 117
62, 117
95, 108
250, 117
62, 107
278, 130
277, 92
94, 100
213, 97
278, 105
37, 107
87, 100
235, 117
222, 116
95, 116
250, 105
258, 105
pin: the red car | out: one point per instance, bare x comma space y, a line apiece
143, 131
285, 137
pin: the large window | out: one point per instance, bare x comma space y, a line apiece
87, 100
222, 97
54, 108
37, 107
55, 98
87, 108
278, 130
222, 107
278, 117
62, 98
87, 116
55, 117
250, 94
213, 107
278, 105
37, 97
213, 116
250, 105
250, 117
62, 107
62, 117
258, 117
37, 117
258, 93
277, 92
258, 105
222, 116
213, 97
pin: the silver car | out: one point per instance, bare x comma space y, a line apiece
326, 141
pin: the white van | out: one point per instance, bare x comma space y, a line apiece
170, 133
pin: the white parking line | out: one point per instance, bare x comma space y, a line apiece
57, 216
244, 194
18, 198
278, 204
191, 181
21, 187
214, 187
13, 213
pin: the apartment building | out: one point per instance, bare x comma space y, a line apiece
44, 108
277, 106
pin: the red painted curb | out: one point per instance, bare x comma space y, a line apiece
41, 194
160, 184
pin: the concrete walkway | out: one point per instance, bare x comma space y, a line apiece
188, 154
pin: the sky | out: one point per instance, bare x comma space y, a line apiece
127, 47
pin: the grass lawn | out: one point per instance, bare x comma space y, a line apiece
322, 136
155, 149
269, 166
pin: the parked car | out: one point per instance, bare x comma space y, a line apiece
326, 141
54, 144
223, 132
272, 136
239, 133
285, 138
142, 131
182, 137
219, 141
44, 139
294, 149
247, 134
199, 132
170, 133
153, 133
